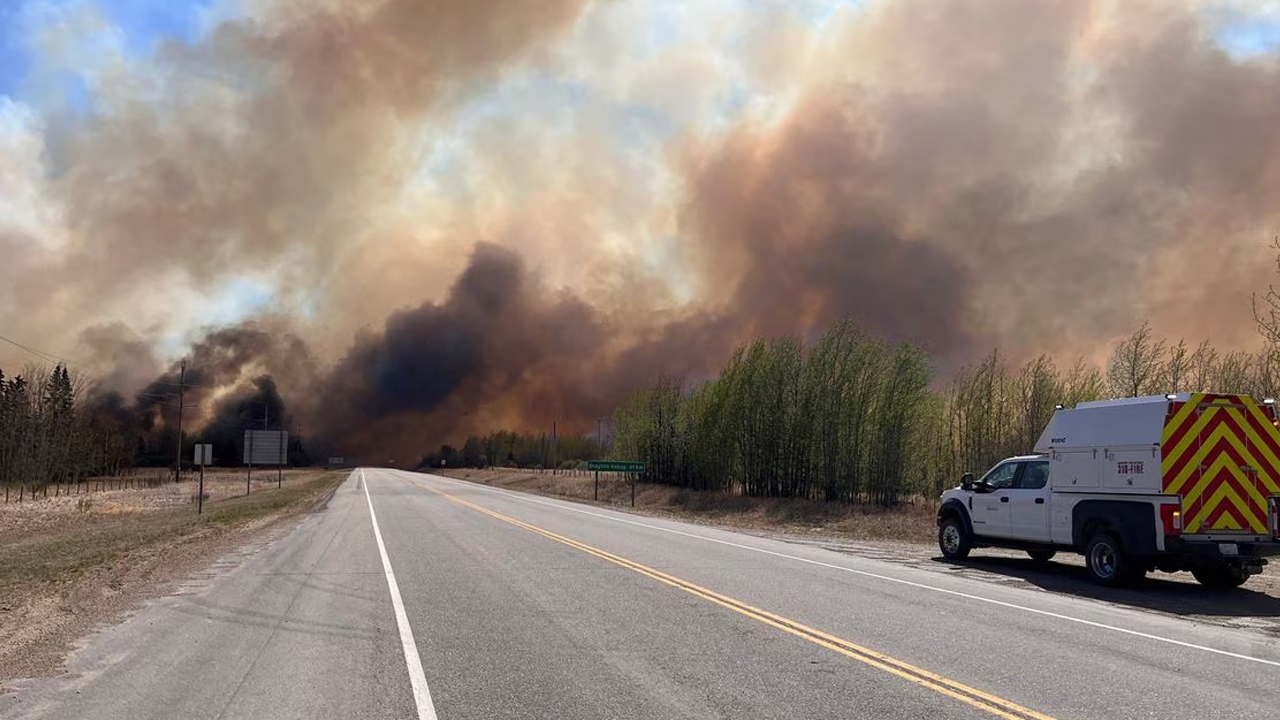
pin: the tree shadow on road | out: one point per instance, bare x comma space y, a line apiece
1157, 592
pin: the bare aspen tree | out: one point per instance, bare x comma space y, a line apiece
1234, 372
1204, 367
1177, 368
1266, 308
1136, 365
1083, 383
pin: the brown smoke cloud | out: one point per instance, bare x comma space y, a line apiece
1038, 176
224, 368
501, 350
271, 145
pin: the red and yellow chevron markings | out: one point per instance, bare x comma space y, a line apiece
1221, 453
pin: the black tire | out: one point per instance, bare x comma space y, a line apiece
1221, 576
1042, 556
1106, 561
953, 540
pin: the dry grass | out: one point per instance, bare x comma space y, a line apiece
69, 563
912, 521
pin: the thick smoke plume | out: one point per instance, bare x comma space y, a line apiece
271, 144
500, 350
1036, 176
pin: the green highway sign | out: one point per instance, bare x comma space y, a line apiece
623, 466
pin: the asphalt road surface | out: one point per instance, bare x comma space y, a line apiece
473, 603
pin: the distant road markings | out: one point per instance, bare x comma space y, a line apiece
977, 698
421, 693
521, 497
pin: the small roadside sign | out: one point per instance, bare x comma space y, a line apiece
203, 454
622, 466
630, 467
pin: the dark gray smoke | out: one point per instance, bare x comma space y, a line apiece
499, 350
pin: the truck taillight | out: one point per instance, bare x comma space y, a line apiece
1171, 517
1273, 516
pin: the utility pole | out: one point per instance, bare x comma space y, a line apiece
266, 412
248, 478
200, 491
555, 448
177, 456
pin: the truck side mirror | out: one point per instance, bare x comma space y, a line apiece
966, 481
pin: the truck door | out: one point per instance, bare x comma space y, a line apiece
991, 516
1029, 502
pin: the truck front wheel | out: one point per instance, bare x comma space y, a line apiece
954, 542
1106, 560
1220, 575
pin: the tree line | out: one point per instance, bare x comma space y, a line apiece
50, 433
856, 418
520, 450
841, 420
851, 417
59, 427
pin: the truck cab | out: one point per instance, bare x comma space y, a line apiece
1171, 483
1010, 501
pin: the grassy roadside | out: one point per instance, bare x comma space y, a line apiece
87, 564
911, 522
57, 554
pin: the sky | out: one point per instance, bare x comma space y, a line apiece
667, 178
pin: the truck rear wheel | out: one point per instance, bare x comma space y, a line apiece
1220, 576
1106, 561
954, 542
1041, 556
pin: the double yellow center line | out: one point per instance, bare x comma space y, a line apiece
972, 696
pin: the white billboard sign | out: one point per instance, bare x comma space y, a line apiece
266, 447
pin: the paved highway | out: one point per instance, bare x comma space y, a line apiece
468, 602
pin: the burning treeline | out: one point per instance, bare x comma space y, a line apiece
958, 176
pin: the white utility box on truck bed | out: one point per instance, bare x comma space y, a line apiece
1176, 482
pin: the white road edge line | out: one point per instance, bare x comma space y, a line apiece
421, 693
877, 576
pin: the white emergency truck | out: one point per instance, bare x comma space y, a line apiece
1171, 483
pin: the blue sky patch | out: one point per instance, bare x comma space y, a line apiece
140, 25
1244, 34
1246, 40
14, 62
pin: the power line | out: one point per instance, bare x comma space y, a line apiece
42, 355
49, 357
